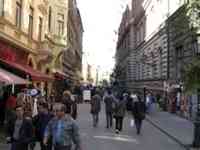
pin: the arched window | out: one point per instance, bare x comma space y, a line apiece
47, 71
30, 64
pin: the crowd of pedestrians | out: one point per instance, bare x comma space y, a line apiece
116, 106
50, 124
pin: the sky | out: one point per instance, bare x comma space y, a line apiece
101, 18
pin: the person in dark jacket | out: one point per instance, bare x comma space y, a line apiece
95, 108
139, 110
20, 131
70, 103
74, 106
109, 101
40, 122
119, 113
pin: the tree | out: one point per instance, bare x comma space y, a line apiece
192, 75
192, 72
193, 11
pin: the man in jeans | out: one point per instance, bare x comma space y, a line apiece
109, 102
63, 129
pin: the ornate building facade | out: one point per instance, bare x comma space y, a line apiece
36, 33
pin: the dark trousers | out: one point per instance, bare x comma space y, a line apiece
95, 119
138, 125
109, 119
119, 123
62, 147
45, 147
19, 146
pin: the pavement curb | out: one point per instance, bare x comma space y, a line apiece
174, 138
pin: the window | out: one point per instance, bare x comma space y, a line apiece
179, 52
197, 45
160, 61
18, 13
60, 24
30, 26
1, 7
49, 19
40, 29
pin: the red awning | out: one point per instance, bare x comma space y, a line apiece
35, 74
9, 78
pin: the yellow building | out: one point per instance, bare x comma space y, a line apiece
22, 37
73, 55
43, 34
22, 25
64, 34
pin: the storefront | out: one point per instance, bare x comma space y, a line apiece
11, 53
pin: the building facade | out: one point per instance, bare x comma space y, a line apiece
150, 53
183, 46
22, 30
123, 49
74, 41
36, 33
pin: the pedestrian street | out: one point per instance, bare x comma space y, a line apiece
101, 138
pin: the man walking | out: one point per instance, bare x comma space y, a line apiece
40, 122
119, 113
63, 129
95, 108
20, 131
139, 110
109, 103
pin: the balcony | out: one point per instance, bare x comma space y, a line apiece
60, 40
44, 51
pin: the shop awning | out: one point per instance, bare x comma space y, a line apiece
34, 74
9, 78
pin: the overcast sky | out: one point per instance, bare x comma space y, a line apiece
100, 19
